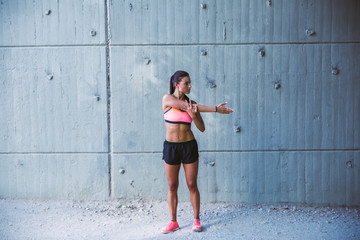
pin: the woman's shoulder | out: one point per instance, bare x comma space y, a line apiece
170, 97
167, 96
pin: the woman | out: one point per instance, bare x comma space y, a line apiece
180, 145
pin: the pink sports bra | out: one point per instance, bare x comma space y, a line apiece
176, 116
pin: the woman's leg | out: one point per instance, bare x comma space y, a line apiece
191, 172
172, 175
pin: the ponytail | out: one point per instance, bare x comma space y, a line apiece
172, 84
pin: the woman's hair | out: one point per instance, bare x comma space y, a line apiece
176, 78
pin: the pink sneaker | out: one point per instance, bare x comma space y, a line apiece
171, 227
197, 227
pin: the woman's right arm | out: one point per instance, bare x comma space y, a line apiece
219, 108
169, 100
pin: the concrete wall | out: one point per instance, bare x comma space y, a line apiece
81, 90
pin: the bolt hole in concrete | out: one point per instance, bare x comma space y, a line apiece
203, 52
335, 71
147, 61
237, 129
277, 85
349, 164
261, 52
310, 32
50, 76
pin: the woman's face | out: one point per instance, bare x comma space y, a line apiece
185, 85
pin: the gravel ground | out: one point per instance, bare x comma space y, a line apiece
139, 219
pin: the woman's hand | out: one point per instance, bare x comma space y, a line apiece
190, 108
222, 109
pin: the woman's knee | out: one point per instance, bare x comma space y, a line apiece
173, 187
192, 185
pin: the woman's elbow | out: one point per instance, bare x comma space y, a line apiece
202, 129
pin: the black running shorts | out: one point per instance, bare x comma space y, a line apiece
180, 152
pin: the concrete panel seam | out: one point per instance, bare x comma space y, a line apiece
202, 151
178, 44
254, 151
55, 46
51, 153
289, 150
230, 44
108, 92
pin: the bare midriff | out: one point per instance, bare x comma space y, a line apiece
178, 132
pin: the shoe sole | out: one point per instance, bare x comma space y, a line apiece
196, 229
170, 231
